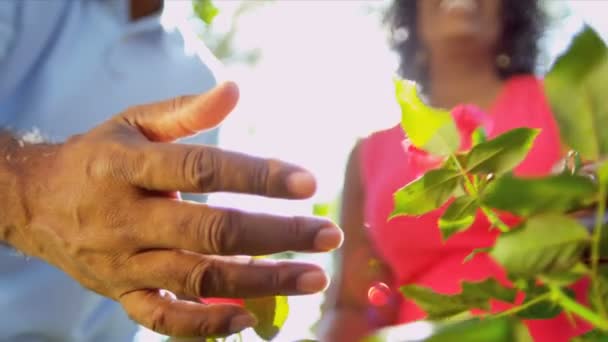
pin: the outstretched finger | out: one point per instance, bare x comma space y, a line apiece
183, 116
169, 316
173, 224
195, 275
204, 169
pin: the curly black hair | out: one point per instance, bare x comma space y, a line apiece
523, 23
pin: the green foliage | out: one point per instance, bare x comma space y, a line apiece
220, 39
473, 296
543, 309
427, 193
566, 278
550, 249
592, 336
205, 10
476, 330
530, 196
331, 209
602, 288
576, 88
458, 216
502, 153
479, 136
429, 129
544, 244
271, 313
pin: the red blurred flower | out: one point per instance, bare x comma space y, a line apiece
468, 118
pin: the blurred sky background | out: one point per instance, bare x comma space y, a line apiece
314, 76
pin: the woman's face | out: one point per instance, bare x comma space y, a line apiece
467, 23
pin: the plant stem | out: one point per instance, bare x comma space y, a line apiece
524, 306
470, 186
581, 311
495, 221
595, 251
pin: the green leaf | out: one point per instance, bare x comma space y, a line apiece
602, 173
441, 306
205, 10
479, 136
477, 330
545, 309
473, 296
427, 193
271, 313
602, 287
592, 336
489, 288
502, 153
429, 129
576, 88
458, 217
544, 244
330, 209
567, 278
321, 209
530, 196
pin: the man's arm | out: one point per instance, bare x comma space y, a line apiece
12, 214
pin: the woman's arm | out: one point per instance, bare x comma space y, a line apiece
348, 313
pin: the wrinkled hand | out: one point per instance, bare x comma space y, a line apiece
104, 207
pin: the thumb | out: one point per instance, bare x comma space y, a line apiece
185, 115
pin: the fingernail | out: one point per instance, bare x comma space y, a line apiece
301, 184
312, 281
328, 238
241, 322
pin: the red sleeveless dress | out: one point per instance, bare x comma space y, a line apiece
412, 246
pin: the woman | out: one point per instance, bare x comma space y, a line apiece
478, 52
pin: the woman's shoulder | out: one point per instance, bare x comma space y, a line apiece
374, 149
384, 135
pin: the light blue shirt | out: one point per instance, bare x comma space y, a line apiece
66, 66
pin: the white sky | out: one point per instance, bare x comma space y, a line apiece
324, 80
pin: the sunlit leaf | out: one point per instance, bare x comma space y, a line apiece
427, 193
602, 173
529, 196
458, 217
205, 10
473, 296
331, 210
502, 153
271, 313
576, 88
430, 129
542, 245
479, 136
